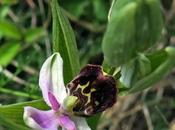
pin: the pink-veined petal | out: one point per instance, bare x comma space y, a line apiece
53, 101
40, 120
51, 78
80, 123
66, 123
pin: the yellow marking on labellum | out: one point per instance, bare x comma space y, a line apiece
104, 73
88, 95
84, 86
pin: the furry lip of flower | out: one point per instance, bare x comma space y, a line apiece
54, 93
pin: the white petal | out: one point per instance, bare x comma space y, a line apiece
57, 78
80, 123
51, 78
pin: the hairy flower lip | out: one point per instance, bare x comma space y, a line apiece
91, 83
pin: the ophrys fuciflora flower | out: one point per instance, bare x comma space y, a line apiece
90, 92
95, 90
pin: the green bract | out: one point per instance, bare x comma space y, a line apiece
134, 26
146, 70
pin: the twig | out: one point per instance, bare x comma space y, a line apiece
147, 117
45, 25
159, 94
162, 116
84, 24
42, 9
26, 68
132, 111
31, 3
169, 14
48, 46
130, 122
13, 16
14, 77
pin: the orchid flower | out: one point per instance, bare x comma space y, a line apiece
92, 91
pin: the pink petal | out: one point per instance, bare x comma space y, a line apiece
66, 123
53, 101
80, 123
40, 120
51, 78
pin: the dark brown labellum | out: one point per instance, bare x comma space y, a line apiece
95, 90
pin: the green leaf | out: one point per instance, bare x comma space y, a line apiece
8, 51
11, 125
33, 34
120, 4
4, 11
141, 67
64, 42
144, 65
93, 121
9, 2
128, 71
149, 23
157, 58
158, 73
155, 19
134, 70
14, 113
9, 30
